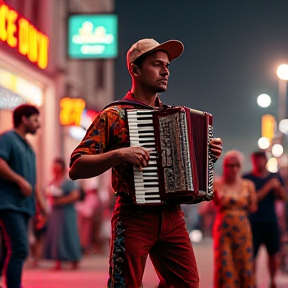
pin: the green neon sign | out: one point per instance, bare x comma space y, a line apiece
92, 36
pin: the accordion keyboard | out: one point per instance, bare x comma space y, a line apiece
141, 133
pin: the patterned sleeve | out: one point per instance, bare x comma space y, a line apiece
97, 137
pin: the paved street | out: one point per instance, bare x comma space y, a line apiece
93, 272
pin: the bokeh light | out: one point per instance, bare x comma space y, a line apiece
283, 126
195, 236
263, 143
277, 150
272, 165
282, 71
264, 100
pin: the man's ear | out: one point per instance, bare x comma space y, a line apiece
133, 69
24, 119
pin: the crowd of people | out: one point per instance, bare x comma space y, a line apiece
67, 224
62, 225
75, 224
243, 216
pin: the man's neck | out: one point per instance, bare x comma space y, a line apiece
261, 174
147, 98
20, 132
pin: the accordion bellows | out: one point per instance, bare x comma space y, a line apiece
180, 169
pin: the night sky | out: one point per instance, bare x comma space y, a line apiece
232, 51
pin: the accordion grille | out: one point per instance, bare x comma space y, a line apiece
175, 153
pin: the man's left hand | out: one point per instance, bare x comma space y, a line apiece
216, 147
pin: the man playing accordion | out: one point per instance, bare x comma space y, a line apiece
139, 230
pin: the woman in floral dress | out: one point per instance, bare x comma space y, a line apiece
234, 199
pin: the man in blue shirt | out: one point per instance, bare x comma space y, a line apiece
264, 222
18, 189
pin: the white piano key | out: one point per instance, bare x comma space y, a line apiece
148, 143
140, 117
140, 201
151, 157
147, 177
146, 184
152, 201
140, 112
148, 196
139, 129
143, 140
147, 189
143, 121
147, 168
142, 135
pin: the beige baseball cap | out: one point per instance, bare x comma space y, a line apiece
174, 49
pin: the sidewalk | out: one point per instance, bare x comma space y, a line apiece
93, 272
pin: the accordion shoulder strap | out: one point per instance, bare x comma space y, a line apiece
134, 104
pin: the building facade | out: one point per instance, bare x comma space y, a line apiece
35, 68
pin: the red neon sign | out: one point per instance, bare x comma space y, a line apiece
18, 33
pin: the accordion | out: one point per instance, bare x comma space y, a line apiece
180, 168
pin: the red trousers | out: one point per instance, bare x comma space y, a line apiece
158, 231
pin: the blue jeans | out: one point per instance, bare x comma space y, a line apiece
15, 230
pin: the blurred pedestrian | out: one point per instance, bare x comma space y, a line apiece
86, 212
264, 222
62, 241
234, 198
18, 189
37, 232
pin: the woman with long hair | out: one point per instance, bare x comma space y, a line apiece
234, 199
62, 239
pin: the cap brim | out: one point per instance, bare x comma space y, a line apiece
174, 48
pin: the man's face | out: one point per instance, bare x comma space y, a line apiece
231, 167
259, 163
153, 73
31, 123
57, 168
